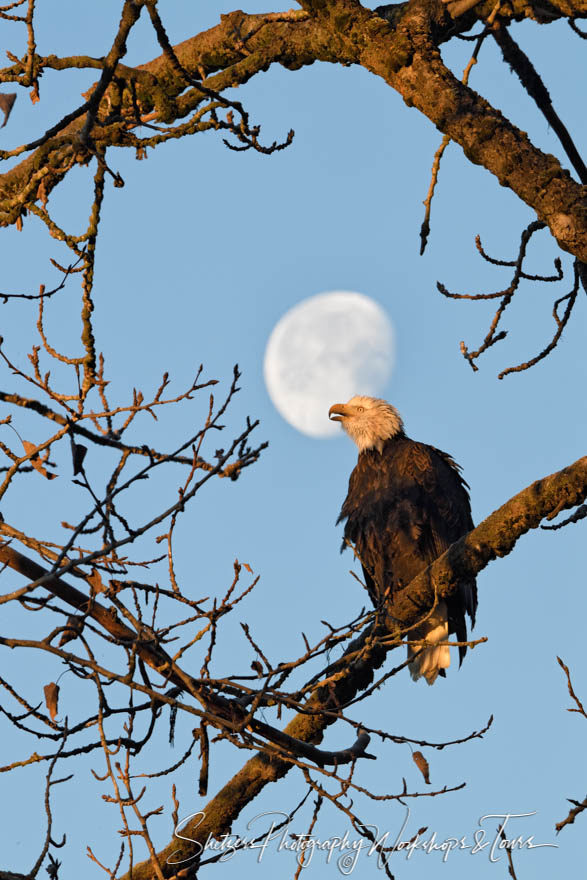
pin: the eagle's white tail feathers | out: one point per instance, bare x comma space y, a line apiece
428, 662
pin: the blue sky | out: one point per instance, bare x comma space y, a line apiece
200, 255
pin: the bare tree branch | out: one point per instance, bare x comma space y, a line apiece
495, 537
416, 71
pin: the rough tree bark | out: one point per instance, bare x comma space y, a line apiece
495, 537
405, 55
404, 50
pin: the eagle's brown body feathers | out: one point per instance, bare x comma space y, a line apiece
406, 504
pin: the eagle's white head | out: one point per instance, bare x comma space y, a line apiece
369, 421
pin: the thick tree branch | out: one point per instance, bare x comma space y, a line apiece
406, 56
486, 136
495, 536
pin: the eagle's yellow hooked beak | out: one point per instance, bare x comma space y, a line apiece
337, 412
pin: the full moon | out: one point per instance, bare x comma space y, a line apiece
323, 351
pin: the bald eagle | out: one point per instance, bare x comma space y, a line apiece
406, 504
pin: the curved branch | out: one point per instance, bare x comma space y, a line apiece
486, 136
495, 536
406, 56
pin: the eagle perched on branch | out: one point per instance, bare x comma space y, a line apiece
406, 504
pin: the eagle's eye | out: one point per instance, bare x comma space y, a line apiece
360, 409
